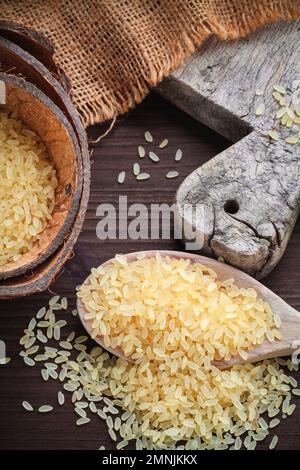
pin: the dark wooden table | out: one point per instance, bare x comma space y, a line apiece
57, 430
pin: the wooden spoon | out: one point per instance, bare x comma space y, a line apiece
290, 318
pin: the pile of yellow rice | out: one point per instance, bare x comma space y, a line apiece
27, 188
174, 318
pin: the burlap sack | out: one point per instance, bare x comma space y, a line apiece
114, 50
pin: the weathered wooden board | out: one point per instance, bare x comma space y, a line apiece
250, 192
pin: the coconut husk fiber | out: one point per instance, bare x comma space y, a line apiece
113, 51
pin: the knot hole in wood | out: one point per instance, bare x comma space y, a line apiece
231, 206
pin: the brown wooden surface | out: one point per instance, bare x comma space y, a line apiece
57, 430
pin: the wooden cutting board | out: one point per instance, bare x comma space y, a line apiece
250, 192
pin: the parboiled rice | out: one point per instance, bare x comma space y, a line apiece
171, 396
27, 188
163, 306
168, 315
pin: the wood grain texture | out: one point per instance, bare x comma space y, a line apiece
217, 87
57, 430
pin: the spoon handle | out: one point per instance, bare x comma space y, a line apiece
290, 329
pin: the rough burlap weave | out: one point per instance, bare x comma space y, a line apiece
113, 51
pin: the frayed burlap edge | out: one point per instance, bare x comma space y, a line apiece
100, 109
107, 103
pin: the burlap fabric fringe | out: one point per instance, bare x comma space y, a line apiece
113, 51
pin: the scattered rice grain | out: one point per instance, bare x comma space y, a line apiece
61, 398
153, 157
141, 151
274, 442
45, 409
143, 176
178, 155
148, 137
27, 406
172, 174
163, 143
82, 421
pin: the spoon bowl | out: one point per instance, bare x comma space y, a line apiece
290, 318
